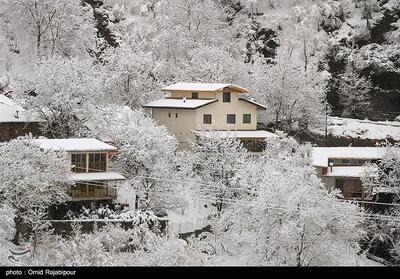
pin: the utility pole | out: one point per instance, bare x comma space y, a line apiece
326, 122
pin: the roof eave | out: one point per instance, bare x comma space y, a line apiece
172, 107
259, 106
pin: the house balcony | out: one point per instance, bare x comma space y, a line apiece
84, 191
94, 186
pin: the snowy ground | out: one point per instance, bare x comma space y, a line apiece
194, 217
362, 129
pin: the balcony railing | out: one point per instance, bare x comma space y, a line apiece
83, 191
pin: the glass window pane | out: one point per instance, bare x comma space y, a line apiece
207, 119
226, 97
231, 118
246, 118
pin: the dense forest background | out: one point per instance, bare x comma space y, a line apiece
303, 59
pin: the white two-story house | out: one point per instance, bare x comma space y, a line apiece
192, 109
91, 179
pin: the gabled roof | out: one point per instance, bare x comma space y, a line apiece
10, 112
254, 103
212, 87
74, 144
320, 155
180, 103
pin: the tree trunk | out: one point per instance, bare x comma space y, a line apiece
18, 224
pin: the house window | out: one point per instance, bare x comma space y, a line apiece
79, 162
97, 162
195, 95
246, 118
169, 114
176, 115
226, 97
346, 162
207, 118
231, 118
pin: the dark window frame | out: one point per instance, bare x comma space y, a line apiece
195, 95
205, 118
226, 97
230, 117
245, 119
79, 161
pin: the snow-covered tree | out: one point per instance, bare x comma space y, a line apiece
369, 10
7, 231
213, 64
191, 24
217, 161
385, 172
52, 27
287, 216
295, 98
61, 93
354, 92
145, 155
31, 180
131, 77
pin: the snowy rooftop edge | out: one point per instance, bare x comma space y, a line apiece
96, 176
346, 171
320, 155
74, 144
179, 103
253, 102
192, 86
238, 134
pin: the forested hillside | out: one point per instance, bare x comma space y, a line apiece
83, 69
302, 59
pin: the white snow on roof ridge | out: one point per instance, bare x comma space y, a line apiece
74, 144
197, 86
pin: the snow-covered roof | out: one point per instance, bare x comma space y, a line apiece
179, 103
96, 176
254, 103
389, 190
346, 171
11, 112
320, 155
188, 86
74, 144
238, 134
